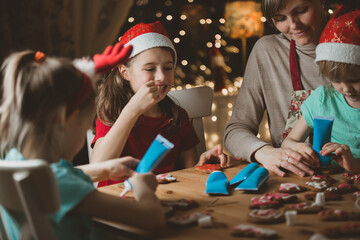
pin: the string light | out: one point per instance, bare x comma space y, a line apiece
190, 1
184, 62
183, 17
176, 40
178, 88
229, 113
263, 19
222, 20
218, 45
224, 92
209, 44
213, 107
208, 21
330, 11
217, 36
214, 118
182, 32
158, 14
202, 67
229, 105
169, 17
131, 19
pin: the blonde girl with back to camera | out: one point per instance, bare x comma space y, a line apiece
47, 106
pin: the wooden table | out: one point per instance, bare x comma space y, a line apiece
233, 209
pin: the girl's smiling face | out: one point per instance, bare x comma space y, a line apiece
300, 20
155, 64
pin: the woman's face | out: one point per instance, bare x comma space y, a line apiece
300, 20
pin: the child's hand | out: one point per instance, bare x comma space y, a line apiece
139, 181
216, 154
341, 153
121, 168
146, 97
111, 57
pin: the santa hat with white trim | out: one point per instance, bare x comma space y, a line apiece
144, 36
340, 40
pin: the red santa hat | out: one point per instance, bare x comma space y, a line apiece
144, 36
340, 40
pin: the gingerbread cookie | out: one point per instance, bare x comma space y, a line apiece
209, 168
350, 177
291, 188
266, 216
264, 203
322, 177
328, 196
182, 204
246, 230
281, 197
165, 178
304, 208
318, 186
338, 215
186, 220
347, 230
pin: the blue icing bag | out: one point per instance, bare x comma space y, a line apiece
158, 149
244, 173
255, 180
322, 135
217, 183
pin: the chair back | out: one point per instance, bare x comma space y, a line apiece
197, 102
30, 187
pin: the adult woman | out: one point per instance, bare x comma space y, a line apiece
269, 80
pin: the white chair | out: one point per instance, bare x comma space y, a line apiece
29, 187
196, 101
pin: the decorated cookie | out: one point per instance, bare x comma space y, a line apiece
209, 168
186, 220
321, 177
264, 203
338, 215
328, 196
346, 230
350, 177
247, 230
318, 186
165, 178
282, 197
266, 216
291, 188
304, 207
182, 204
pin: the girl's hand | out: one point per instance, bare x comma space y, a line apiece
216, 155
146, 97
121, 168
275, 158
142, 181
342, 154
301, 151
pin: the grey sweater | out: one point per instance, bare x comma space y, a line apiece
267, 85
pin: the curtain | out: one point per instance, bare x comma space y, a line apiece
69, 28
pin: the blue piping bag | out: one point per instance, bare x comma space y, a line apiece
244, 173
158, 149
217, 183
256, 179
322, 135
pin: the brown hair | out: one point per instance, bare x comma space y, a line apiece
337, 71
114, 92
32, 93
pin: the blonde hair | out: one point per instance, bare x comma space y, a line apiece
114, 92
32, 93
337, 71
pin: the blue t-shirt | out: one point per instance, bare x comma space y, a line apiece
73, 185
326, 101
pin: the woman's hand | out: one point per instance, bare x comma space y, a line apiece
342, 154
216, 155
146, 97
275, 158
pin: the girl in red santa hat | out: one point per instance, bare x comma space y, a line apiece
133, 106
338, 57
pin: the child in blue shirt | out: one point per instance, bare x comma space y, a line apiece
338, 57
47, 106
